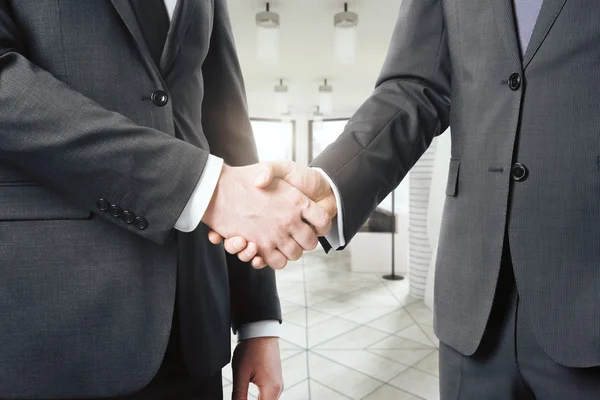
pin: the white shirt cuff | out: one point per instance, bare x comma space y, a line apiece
268, 328
335, 237
198, 203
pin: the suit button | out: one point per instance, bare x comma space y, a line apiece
128, 217
102, 205
159, 98
115, 211
514, 81
141, 223
519, 172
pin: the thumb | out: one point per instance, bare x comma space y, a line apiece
274, 169
214, 237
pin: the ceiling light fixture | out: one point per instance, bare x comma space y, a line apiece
318, 119
326, 98
267, 36
281, 98
345, 24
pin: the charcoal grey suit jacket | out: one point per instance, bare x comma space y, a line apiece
457, 63
96, 165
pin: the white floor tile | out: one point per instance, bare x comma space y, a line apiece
421, 313
292, 273
431, 335
334, 307
393, 322
295, 369
374, 296
430, 364
365, 362
295, 298
321, 392
289, 307
293, 333
401, 350
418, 383
285, 345
406, 357
359, 338
328, 330
340, 378
285, 354
417, 334
307, 316
296, 392
291, 287
388, 392
364, 315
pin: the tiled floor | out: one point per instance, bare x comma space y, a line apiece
352, 335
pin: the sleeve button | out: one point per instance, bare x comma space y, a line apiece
141, 223
115, 211
102, 205
128, 217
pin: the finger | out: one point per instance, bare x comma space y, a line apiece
275, 259
240, 390
241, 383
305, 236
258, 262
248, 253
318, 218
214, 237
271, 392
235, 244
290, 249
274, 169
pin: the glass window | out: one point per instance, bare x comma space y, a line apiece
323, 133
274, 139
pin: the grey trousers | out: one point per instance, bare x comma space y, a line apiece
509, 364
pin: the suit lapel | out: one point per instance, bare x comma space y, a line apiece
505, 19
126, 13
182, 16
548, 14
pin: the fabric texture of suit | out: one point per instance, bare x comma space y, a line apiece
86, 299
449, 64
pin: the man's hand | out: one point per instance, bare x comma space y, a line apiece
258, 361
277, 218
307, 180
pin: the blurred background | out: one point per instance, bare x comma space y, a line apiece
348, 332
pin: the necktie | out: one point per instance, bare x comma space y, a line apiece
154, 23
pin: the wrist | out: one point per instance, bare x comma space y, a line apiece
212, 210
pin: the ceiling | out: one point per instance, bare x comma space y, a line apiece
306, 55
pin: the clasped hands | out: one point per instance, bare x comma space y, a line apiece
270, 213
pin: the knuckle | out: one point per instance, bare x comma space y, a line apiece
278, 387
314, 244
300, 201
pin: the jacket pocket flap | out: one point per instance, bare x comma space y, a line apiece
452, 185
11, 176
27, 203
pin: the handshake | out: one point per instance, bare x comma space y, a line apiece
270, 213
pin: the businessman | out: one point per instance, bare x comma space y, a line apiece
517, 294
116, 119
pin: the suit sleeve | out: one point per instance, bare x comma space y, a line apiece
227, 127
394, 127
71, 144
